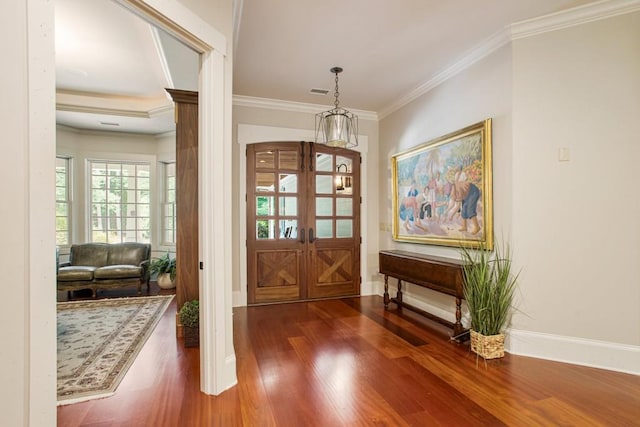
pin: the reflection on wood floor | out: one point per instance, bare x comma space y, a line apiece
349, 362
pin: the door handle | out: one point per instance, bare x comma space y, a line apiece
311, 237
302, 236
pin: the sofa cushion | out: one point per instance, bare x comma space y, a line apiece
128, 253
76, 273
94, 254
118, 272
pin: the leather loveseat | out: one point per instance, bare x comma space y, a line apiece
105, 265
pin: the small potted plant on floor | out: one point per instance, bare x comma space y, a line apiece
165, 269
189, 315
489, 286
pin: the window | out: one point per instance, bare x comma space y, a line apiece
169, 204
63, 200
120, 202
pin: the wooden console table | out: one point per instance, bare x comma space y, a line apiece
436, 273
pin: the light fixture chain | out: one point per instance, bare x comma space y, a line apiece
336, 92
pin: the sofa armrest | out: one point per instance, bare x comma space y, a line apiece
145, 269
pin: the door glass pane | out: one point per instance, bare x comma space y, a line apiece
265, 205
324, 184
324, 162
324, 206
324, 228
343, 164
288, 183
288, 229
265, 229
344, 228
343, 175
344, 206
265, 160
346, 186
265, 182
288, 160
288, 206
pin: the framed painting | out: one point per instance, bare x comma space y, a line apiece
442, 190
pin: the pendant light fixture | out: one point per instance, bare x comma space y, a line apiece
337, 127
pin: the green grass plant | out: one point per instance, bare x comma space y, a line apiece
489, 286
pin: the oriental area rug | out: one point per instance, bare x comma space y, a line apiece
98, 341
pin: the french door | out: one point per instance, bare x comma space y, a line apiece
303, 222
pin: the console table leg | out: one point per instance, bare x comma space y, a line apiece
386, 291
457, 327
399, 294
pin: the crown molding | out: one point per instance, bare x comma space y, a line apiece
111, 133
161, 111
97, 110
576, 16
484, 49
518, 30
113, 105
296, 107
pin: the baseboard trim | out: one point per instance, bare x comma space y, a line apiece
565, 349
238, 299
577, 351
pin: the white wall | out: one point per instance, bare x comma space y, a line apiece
27, 179
480, 92
575, 231
570, 224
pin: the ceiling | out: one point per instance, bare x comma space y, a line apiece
112, 67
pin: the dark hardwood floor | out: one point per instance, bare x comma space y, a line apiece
349, 363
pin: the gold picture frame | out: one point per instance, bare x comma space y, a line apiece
442, 190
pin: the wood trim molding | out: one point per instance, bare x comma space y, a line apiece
184, 96
183, 24
217, 356
215, 226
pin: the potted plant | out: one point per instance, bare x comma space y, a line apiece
489, 286
165, 268
189, 315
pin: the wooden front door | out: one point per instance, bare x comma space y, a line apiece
303, 222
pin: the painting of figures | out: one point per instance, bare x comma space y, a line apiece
442, 190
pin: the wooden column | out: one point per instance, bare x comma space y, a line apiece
187, 258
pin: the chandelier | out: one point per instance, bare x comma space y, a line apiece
337, 127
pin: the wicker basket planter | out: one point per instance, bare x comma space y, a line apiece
487, 347
191, 336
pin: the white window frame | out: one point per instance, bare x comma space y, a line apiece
166, 204
135, 231
68, 199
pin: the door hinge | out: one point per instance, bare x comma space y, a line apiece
360, 199
361, 280
360, 239
201, 265
246, 198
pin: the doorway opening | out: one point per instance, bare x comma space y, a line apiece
303, 222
